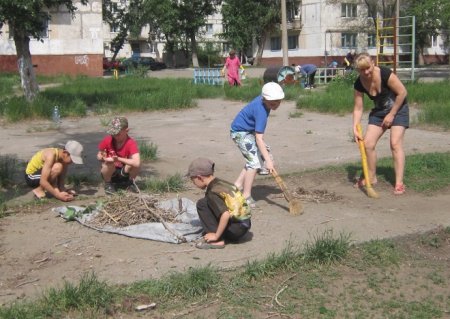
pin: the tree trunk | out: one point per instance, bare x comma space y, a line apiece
194, 52
260, 50
25, 66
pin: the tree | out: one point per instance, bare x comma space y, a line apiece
26, 19
162, 17
250, 20
180, 22
192, 16
427, 23
127, 20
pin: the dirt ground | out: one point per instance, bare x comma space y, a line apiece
38, 249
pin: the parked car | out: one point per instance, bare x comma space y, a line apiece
109, 65
149, 62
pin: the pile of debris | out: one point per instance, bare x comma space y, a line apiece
127, 209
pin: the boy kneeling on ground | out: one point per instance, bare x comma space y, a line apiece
223, 212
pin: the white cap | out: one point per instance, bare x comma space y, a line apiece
272, 91
75, 149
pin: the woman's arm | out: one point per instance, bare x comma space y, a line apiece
358, 109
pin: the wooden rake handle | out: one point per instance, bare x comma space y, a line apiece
287, 194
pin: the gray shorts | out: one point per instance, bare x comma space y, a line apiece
400, 119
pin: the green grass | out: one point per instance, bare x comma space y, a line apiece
174, 183
389, 278
80, 95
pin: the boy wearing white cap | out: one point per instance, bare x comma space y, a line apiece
46, 171
247, 131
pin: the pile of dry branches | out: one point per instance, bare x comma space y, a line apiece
316, 196
131, 209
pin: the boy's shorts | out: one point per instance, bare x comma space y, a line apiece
246, 143
119, 176
33, 180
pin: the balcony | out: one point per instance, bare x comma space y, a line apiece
292, 24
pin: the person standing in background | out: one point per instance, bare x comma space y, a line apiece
232, 65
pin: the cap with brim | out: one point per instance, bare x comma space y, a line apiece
116, 125
75, 150
201, 167
272, 91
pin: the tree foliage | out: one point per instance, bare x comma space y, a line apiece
250, 20
26, 19
127, 20
180, 21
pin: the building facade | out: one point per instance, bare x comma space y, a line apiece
70, 45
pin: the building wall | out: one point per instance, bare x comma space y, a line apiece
73, 46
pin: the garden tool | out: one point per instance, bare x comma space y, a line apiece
295, 206
369, 189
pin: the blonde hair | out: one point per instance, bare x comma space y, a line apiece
363, 61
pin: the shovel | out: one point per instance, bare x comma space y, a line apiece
369, 190
295, 206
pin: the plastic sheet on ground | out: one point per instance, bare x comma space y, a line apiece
186, 230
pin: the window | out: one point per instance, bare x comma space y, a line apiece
113, 28
113, 7
209, 28
43, 33
275, 44
371, 40
226, 47
348, 40
292, 42
348, 10
434, 41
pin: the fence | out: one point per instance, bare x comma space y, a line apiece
325, 75
209, 76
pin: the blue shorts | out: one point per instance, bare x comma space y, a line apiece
377, 116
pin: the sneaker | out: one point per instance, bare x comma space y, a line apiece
263, 171
110, 189
132, 187
251, 202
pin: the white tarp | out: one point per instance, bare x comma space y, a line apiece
186, 230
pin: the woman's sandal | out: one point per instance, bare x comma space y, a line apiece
399, 189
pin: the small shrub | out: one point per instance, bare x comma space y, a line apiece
8, 166
326, 248
148, 152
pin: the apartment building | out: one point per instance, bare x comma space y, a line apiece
318, 32
70, 45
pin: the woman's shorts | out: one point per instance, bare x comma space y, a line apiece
246, 143
376, 117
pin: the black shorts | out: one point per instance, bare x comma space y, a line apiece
33, 180
119, 176
376, 116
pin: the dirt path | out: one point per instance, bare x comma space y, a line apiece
38, 250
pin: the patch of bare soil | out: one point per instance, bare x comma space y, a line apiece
38, 249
